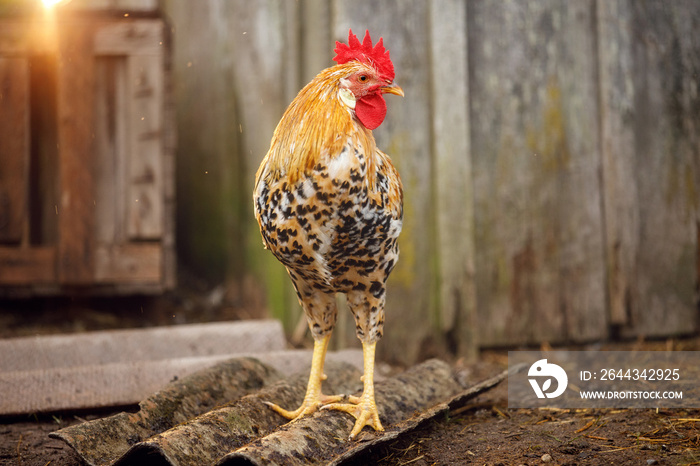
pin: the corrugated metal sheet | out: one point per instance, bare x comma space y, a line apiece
182, 425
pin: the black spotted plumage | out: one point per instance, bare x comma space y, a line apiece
337, 234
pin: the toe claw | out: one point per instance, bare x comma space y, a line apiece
366, 414
291, 415
307, 407
328, 399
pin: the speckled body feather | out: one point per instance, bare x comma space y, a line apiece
329, 206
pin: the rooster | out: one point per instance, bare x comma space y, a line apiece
329, 205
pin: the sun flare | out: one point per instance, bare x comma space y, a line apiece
48, 4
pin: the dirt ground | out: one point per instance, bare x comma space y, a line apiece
484, 432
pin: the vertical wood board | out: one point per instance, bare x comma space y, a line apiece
534, 141
281, 62
14, 148
144, 116
454, 200
615, 38
170, 254
76, 166
130, 166
229, 64
141, 43
316, 42
405, 137
43, 163
650, 122
111, 149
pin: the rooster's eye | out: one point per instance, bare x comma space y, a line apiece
363, 78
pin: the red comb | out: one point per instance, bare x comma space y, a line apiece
376, 56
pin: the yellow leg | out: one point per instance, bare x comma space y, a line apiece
363, 408
313, 398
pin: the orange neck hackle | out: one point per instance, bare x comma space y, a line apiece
316, 124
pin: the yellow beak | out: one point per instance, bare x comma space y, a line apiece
392, 89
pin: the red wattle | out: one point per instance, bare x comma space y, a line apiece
371, 110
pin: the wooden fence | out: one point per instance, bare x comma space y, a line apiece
549, 152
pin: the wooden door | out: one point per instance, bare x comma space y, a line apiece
86, 180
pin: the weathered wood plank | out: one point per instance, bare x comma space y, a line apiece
14, 148
130, 143
27, 266
316, 42
139, 122
454, 200
144, 120
21, 37
207, 138
170, 259
114, 5
76, 154
650, 125
43, 165
131, 37
405, 136
111, 149
140, 112
534, 137
235, 64
267, 47
614, 23
140, 263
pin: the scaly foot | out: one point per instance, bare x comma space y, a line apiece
363, 409
313, 398
309, 406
